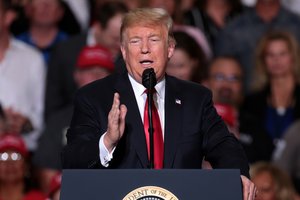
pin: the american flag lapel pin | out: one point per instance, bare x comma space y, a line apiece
178, 101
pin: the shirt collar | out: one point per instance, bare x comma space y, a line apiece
140, 89
91, 40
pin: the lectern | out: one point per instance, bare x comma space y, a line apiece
148, 184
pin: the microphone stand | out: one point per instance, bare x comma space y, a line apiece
149, 81
151, 129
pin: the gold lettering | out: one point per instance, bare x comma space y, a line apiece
162, 194
131, 198
150, 190
153, 191
138, 194
142, 193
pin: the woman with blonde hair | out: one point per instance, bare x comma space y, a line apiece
265, 55
272, 183
275, 100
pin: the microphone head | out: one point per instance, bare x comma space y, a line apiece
149, 78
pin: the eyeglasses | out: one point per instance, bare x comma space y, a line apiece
13, 156
222, 77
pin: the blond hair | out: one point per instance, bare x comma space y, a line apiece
261, 77
147, 17
284, 189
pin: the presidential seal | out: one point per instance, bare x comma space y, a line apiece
150, 193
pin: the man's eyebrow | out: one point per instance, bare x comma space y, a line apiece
134, 37
154, 35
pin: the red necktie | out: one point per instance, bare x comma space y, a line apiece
157, 136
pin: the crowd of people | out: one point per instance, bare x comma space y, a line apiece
248, 56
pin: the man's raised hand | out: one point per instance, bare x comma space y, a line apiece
116, 123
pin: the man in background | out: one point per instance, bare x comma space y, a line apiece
60, 85
93, 63
22, 82
225, 79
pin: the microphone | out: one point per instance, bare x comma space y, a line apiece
149, 81
149, 78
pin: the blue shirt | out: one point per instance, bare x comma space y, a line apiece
26, 37
276, 123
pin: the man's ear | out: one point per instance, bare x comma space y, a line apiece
28, 9
76, 76
97, 31
60, 12
97, 27
123, 51
9, 17
171, 48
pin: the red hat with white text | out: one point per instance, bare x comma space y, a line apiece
13, 142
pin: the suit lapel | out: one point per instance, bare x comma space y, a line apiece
134, 124
173, 119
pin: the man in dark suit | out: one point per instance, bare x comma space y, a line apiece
107, 128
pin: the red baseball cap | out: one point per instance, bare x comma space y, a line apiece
95, 56
14, 142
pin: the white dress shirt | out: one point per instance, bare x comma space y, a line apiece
292, 5
90, 39
22, 86
141, 96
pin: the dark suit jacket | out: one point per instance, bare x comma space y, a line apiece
60, 85
192, 128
